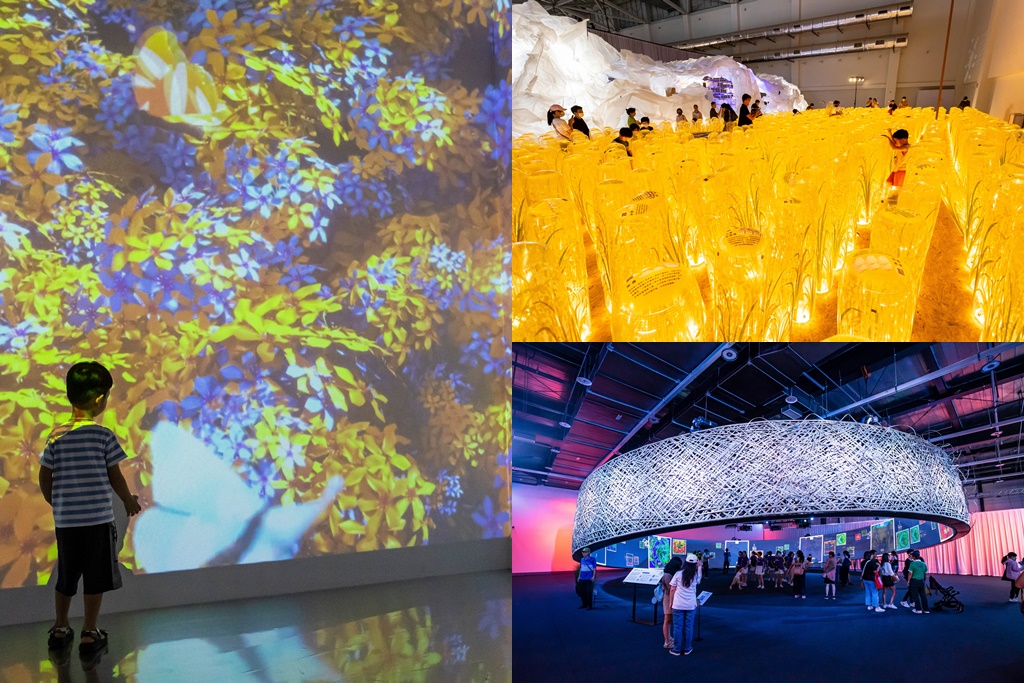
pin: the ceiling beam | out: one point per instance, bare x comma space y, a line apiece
924, 379
682, 384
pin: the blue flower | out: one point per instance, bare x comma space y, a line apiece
11, 233
385, 274
261, 199
492, 521
262, 477
17, 337
8, 115
121, 285
245, 266
446, 259
56, 142
206, 391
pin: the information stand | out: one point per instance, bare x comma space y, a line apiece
701, 599
644, 577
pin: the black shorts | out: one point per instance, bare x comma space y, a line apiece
887, 582
88, 553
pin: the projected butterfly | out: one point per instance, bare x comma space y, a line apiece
168, 86
205, 515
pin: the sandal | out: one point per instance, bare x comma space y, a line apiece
60, 637
99, 641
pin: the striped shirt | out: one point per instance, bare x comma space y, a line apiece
79, 454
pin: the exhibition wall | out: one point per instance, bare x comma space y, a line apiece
282, 227
888, 74
542, 519
995, 62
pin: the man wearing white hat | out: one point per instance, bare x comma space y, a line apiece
684, 604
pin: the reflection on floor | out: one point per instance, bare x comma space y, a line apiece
446, 629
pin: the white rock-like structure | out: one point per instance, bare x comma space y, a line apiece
556, 61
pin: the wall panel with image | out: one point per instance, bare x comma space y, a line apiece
282, 226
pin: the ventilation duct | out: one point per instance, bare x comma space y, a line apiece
836, 21
843, 48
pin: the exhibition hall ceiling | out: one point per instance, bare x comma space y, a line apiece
577, 404
613, 15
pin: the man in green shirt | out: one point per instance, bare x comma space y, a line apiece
918, 573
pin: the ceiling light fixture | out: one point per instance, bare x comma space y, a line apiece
565, 425
990, 366
584, 381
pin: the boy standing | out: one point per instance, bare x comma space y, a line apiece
78, 471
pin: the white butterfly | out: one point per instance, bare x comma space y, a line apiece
206, 515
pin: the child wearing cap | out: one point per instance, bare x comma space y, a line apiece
684, 604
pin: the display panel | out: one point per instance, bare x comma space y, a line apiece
883, 536
813, 547
661, 551
282, 227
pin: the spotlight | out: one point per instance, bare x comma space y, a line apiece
791, 399
565, 425
730, 355
584, 381
990, 366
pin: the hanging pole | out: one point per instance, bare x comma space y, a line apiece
945, 51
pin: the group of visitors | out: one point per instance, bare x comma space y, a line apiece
788, 569
563, 128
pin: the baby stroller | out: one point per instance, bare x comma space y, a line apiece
948, 600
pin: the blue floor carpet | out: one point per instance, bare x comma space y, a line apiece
765, 633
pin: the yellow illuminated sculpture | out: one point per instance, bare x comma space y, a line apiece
796, 228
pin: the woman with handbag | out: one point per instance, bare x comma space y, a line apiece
1011, 571
799, 578
829, 572
872, 581
889, 579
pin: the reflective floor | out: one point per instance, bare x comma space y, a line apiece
447, 629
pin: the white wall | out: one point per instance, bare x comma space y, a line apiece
890, 73
151, 591
995, 60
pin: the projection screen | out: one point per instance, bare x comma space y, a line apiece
282, 227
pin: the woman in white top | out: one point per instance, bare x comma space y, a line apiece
1013, 570
829, 574
555, 119
889, 580
697, 115
684, 604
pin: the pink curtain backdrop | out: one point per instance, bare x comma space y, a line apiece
993, 534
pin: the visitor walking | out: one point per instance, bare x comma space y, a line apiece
585, 579
728, 552
706, 560
684, 604
900, 144
673, 566
1011, 572
744, 119
844, 570
829, 573
555, 120
789, 568
918, 572
906, 575
889, 579
577, 120
779, 566
799, 577
871, 586
964, 103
